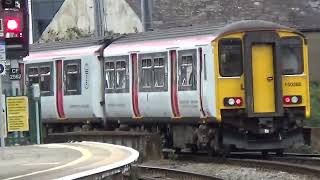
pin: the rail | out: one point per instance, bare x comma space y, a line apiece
144, 172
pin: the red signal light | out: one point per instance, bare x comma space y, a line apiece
13, 25
239, 101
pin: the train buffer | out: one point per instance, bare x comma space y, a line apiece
81, 160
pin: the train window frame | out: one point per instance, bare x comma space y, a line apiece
290, 39
221, 71
146, 69
158, 71
160, 68
114, 71
42, 78
109, 72
66, 74
38, 66
194, 62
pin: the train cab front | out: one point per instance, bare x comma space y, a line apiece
262, 88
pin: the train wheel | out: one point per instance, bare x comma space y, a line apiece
264, 153
279, 152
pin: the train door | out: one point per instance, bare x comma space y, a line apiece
263, 74
263, 78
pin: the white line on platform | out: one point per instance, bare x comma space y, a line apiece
40, 164
132, 158
86, 154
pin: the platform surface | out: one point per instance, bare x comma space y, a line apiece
63, 161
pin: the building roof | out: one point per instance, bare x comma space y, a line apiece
299, 14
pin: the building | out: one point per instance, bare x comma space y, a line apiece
43, 12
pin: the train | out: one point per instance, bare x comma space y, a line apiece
242, 86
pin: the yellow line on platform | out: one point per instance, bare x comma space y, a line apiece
86, 154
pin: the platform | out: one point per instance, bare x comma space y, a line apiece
64, 161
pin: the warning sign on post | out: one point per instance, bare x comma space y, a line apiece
17, 113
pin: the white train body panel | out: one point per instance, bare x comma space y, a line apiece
85, 105
119, 104
209, 84
158, 104
198, 101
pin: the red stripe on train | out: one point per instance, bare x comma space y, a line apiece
174, 90
200, 84
135, 100
59, 96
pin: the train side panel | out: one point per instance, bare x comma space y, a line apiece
83, 104
118, 100
154, 95
209, 83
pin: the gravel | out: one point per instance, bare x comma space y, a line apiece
230, 172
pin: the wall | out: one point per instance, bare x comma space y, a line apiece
73, 13
119, 16
314, 55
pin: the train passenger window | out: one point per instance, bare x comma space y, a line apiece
159, 72
147, 78
33, 75
45, 80
120, 74
230, 57
72, 77
109, 70
153, 72
186, 71
291, 55
41, 74
116, 74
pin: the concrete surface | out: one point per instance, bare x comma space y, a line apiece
63, 161
315, 143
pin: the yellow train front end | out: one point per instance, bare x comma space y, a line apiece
262, 86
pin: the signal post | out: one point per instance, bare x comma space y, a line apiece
14, 40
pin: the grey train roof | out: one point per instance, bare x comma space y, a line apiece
247, 25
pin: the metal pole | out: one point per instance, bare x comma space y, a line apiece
30, 22
37, 121
1, 117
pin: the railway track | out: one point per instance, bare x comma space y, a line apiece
144, 172
292, 163
289, 162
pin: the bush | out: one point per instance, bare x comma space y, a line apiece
315, 105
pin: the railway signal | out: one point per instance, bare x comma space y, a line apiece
15, 28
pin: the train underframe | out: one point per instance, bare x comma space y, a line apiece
265, 134
236, 132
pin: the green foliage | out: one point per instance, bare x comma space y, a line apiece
172, 156
315, 105
69, 34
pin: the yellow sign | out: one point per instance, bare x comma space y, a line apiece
18, 113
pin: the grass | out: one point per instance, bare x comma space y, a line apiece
315, 105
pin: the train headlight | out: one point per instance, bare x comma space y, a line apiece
233, 101
294, 99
